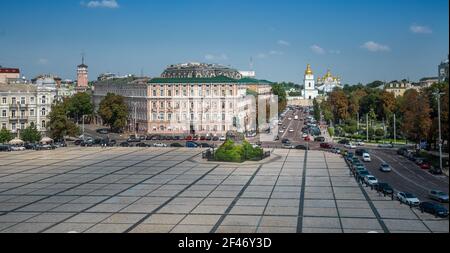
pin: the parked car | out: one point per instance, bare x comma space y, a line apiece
408, 198
362, 174
46, 147
141, 145
288, 146
31, 146
125, 144
425, 166
191, 144
189, 138
366, 157
420, 160
319, 139
386, 145
215, 138
435, 171
208, 138
17, 148
350, 145
402, 151
384, 188
103, 131
133, 138
304, 135
326, 145
336, 150
195, 138
432, 208
176, 138
360, 143
222, 138
384, 167
307, 138
285, 141
438, 195
176, 145
160, 145
205, 145
5, 148
370, 180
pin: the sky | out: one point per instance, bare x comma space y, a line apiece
359, 40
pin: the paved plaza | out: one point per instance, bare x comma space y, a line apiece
169, 190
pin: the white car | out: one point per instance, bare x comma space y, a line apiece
291, 130
370, 180
222, 138
360, 143
350, 146
304, 135
281, 131
366, 157
17, 148
160, 145
408, 198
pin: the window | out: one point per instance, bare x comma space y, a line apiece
13, 113
154, 93
43, 124
155, 117
22, 113
200, 93
43, 112
13, 126
177, 92
208, 93
223, 105
162, 105
43, 100
13, 101
169, 93
3, 125
192, 91
22, 100
169, 117
309, 85
4, 113
161, 116
161, 93
184, 92
223, 116
22, 126
230, 92
3, 100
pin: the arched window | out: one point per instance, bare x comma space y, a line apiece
43, 123
43, 112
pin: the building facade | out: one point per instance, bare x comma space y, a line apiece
8, 75
398, 87
309, 91
24, 104
328, 82
185, 105
82, 77
443, 71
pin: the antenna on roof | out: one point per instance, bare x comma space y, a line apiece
82, 57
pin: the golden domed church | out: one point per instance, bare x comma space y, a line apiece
328, 82
309, 91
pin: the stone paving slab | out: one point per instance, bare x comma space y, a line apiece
168, 190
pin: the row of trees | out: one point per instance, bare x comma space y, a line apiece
29, 134
416, 111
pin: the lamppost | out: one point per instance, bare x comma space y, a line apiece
439, 119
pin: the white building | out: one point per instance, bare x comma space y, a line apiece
328, 82
310, 91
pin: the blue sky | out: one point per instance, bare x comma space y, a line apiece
359, 40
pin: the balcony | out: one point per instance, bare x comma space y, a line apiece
18, 105
18, 118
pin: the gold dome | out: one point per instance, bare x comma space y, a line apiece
308, 70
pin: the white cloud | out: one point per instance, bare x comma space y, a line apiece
274, 52
262, 56
110, 4
283, 43
43, 61
211, 57
375, 47
317, 49
420, 29
334, 51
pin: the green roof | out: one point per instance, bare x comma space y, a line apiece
218, 79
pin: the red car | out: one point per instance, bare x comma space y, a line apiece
188, 138
195, 138
202, 138
425, 166
326, 145
307, 138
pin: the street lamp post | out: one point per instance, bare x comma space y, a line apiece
439, 123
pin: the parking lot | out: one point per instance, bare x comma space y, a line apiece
162, 190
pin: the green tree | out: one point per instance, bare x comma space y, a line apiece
5, 135
114, 111
316, 106
60, 125
78, 105
278, 89
30, 134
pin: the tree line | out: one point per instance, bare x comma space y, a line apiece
416, 111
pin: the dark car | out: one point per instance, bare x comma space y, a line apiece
189, 138
215, 138
176, 145
103, 131
29, 146
77, 142
301, 147
326, 145
124, 144
420, 160
191, 144
205, 145
432, 208
286, 141
402, 151
384, 188
169, 138
208, 138
176, 138
344, 141
319, 139
133, 138
148, 137
203, 138
360, 152
425, 166
5, 148
435, 171
141, 145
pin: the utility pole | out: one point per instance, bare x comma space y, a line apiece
395, 129
367, 127
440, 135
84, 137
358, 119
135, 119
